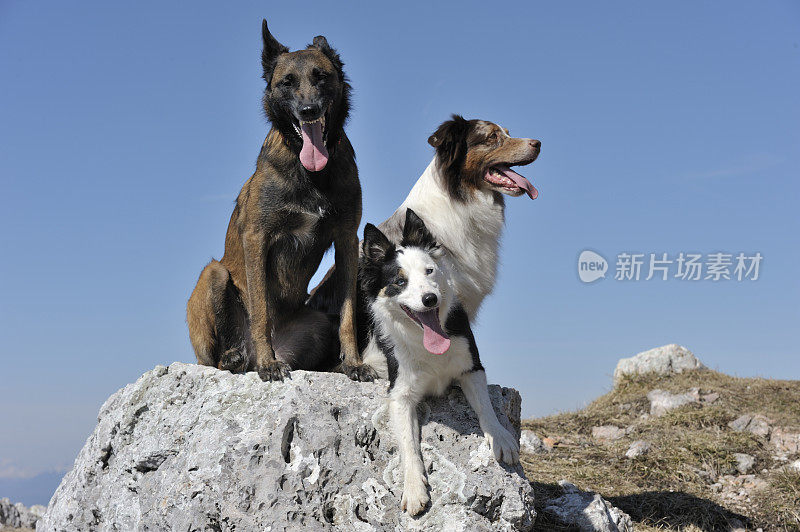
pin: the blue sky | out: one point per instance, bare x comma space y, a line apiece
128, 130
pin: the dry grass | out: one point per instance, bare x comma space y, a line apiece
671, 486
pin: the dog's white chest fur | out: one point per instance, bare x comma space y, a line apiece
468, 231
420, 373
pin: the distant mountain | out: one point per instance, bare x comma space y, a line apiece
33, 490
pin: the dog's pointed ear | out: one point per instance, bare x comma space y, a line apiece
269, 54
376, 246
415, 233
321, 44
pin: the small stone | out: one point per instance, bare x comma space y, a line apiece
587, 511
753, 423
744, 462
662, 402
549, 442
736, 526
530, 443
794, 466
607, 433
568, 486
710, 397
785, 440
637, 449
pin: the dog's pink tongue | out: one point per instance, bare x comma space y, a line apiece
314, 155
434, 338
519, 180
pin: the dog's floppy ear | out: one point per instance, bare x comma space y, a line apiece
450, 141
450, 132
376, 246
321, 44
269, 54
415, 233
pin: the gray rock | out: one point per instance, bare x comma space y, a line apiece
754, 423
710, 397
193, 448
664, 360
18, 515
607, 433
662, 402
786, 440
531, 443
587, 511
744, 462
637, 449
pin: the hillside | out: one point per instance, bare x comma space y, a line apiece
726, 459
674, 446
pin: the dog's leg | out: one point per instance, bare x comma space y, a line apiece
261, 319
200, 315
231, 326
504, 445
403, 414
217, 320
347, 266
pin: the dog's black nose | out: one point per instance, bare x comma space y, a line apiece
430, 300
309, 112
535, 144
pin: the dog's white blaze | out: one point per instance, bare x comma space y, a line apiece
468, 231
415, 263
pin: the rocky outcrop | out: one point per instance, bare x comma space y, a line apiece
671, 358
188, 447
18, 515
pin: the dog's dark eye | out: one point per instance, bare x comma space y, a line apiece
492, 137
320, 75
287, 81
428, 271
400, 282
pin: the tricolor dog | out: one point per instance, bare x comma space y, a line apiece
461, 197
417, 322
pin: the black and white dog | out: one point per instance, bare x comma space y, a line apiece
407, 292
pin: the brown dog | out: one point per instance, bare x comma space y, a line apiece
248, 309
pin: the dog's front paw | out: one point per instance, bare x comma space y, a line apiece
504, 445
415, 495
274, 371
361, 372
233, 360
